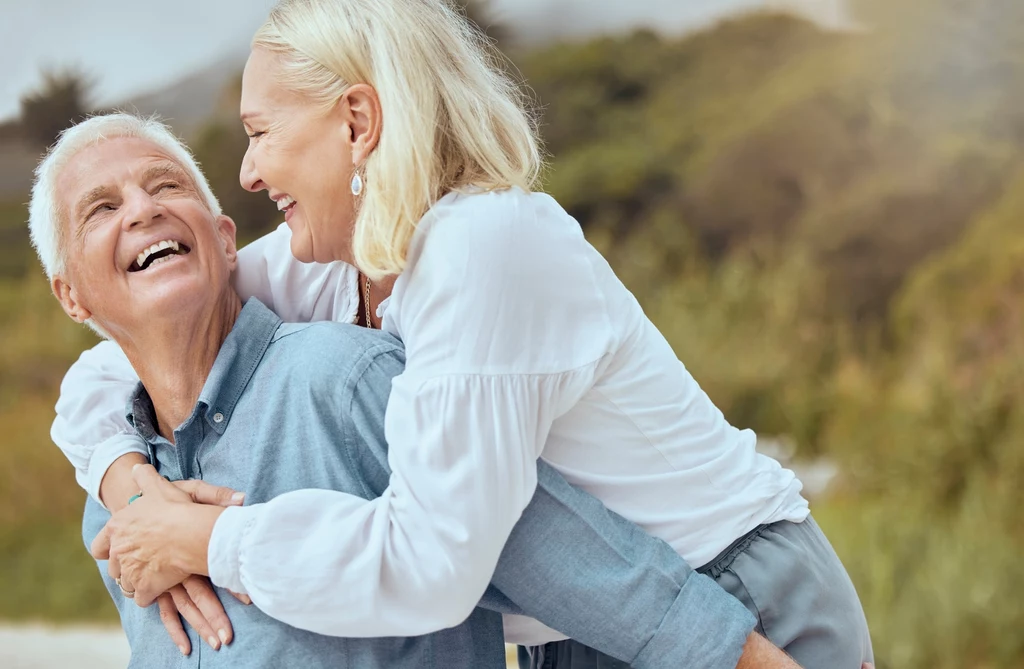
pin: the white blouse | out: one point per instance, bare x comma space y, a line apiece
520, 343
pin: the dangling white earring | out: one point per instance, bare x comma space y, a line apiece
357, 184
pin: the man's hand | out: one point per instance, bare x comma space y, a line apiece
760, 653
195, 601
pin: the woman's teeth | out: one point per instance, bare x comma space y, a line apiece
284, 203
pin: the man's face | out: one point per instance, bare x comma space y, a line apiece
142, 247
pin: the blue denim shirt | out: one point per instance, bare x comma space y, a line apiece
290, 406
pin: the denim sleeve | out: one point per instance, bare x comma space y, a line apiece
583, 570
597, 577
93, 519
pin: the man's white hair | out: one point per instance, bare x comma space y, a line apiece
48, 220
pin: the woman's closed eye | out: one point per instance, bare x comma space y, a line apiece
255, 134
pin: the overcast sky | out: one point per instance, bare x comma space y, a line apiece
133, 46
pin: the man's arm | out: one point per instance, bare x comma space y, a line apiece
589, 573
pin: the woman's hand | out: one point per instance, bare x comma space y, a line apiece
202, 492
162, 538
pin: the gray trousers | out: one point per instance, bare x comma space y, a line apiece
786, 574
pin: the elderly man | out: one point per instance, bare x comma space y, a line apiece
134, 244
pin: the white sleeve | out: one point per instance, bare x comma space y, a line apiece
491, 362
90, 426
297, 292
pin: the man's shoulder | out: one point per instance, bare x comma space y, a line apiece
332, 348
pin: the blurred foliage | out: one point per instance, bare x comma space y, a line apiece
827, 229
45, 572
16, 256
219, 148
60, 101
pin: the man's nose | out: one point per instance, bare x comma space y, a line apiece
139, 208
247, 174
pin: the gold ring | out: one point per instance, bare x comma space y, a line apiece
129, 594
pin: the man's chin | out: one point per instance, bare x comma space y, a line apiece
173, 297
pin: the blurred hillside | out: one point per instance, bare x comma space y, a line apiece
827, 228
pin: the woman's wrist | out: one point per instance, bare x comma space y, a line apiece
195, 527
118, 485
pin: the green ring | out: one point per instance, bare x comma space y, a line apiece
134, 497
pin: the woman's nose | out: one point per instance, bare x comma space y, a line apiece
247, 174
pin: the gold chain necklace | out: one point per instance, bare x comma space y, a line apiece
366, 302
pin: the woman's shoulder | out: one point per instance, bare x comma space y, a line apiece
502, 281
497, 227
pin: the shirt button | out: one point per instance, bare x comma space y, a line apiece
218, 417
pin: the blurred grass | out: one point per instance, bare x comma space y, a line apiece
45, 572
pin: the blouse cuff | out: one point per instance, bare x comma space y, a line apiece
706, 627
224, 556
104, 455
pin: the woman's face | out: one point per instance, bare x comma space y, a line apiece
302, 156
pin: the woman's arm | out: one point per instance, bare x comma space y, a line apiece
504, 330
90, 426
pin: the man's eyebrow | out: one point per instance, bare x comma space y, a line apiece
97, 193
163, 170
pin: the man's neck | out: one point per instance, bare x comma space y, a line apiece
173, 358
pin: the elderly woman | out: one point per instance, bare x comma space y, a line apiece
390, 141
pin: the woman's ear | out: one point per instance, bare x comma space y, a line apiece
68, 298
361, 108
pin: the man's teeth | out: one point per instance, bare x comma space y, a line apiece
160, 260
284, 203
159, 246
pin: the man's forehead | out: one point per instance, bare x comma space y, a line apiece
109, 161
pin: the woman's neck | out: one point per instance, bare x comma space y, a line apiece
379, 291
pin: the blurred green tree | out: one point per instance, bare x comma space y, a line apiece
219, 148
61, 100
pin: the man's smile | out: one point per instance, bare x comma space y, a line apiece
157, 253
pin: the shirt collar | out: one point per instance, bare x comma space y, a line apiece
234, 366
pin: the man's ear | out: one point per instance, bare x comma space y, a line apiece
68, 298
361, 112
227, 232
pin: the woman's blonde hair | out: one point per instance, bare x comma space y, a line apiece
452, 117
